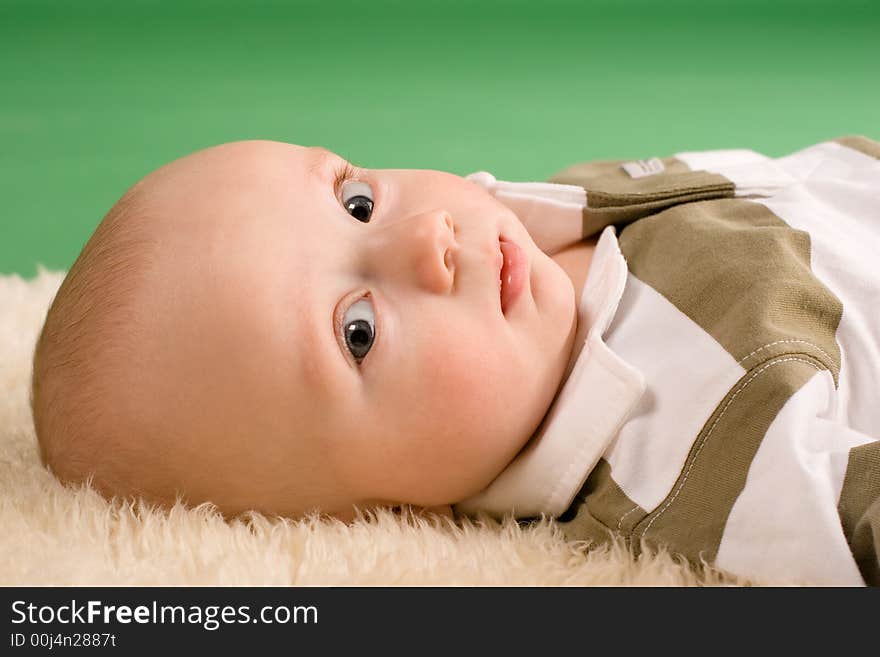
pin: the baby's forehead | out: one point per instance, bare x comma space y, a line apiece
229, 178
232, 165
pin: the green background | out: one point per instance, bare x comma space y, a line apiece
97, 94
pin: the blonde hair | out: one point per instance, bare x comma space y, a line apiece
87, 332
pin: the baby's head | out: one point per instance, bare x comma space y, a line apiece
262, 326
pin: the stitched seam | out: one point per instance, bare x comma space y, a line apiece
712, 428
830, 364
620, 522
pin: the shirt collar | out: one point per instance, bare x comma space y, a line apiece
599, 393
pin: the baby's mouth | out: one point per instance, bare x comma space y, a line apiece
499, 266
513, 273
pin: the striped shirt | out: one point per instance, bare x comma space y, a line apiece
723, 400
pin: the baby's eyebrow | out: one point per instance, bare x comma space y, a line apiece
319, 160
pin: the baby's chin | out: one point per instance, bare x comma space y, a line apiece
559, 299
554, 291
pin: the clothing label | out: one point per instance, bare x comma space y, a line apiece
642, 168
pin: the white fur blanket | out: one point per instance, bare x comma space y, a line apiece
52, 535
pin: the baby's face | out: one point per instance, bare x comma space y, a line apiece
319, 343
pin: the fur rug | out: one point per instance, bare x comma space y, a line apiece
54, 535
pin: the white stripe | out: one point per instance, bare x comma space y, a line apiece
784, 525
803, 163
752, 173
707, 160
687, 373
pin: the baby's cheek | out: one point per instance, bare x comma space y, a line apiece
465, 387
452, 429
456, 370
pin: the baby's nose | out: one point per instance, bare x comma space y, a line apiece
426, 251
434, 241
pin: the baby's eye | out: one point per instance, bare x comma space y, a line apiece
359, 327
357, 198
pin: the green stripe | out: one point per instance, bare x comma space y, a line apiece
859, 509
598, 508
613, 197
743, 275
860, 144
582, 172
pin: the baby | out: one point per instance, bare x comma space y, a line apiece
265, 326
